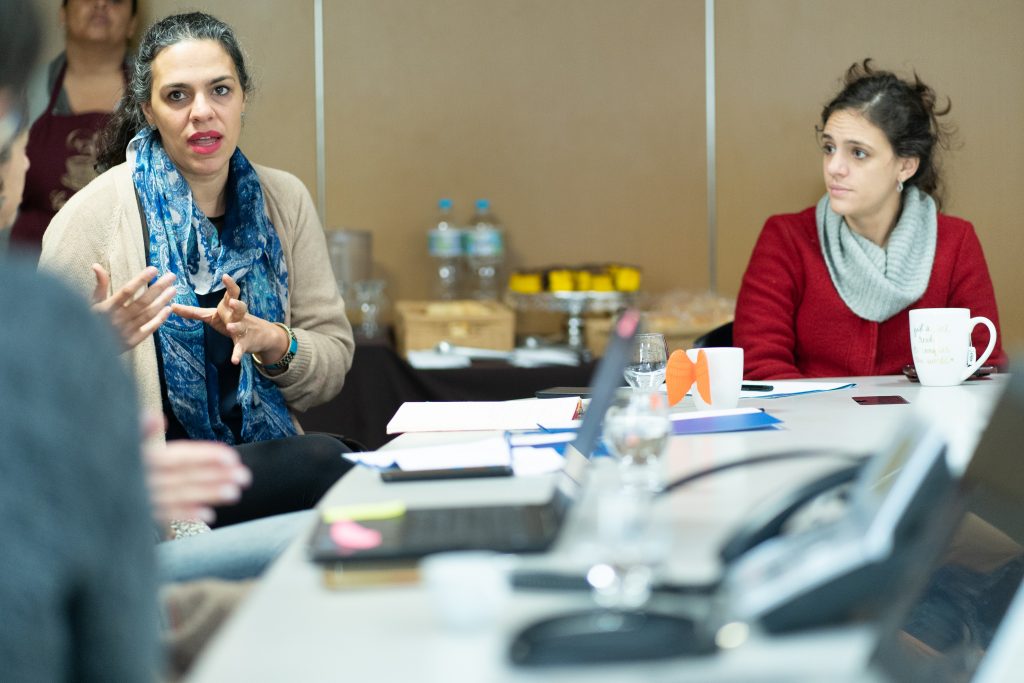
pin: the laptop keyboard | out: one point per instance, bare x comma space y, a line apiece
507, 529
421, 531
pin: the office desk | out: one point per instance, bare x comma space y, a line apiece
292, 628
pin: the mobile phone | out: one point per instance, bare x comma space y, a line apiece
393, 476
562, 392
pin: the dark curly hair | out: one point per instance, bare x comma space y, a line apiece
906, 111
128, 119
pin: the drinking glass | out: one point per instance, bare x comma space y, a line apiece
370, 299
632, 540
637, 428
646, 368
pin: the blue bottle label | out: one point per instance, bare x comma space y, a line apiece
445, 243
485, 243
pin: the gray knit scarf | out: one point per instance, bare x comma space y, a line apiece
876, 282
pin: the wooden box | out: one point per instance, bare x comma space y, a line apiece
679, 333
421, 325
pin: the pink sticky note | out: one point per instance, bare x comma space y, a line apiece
349, 535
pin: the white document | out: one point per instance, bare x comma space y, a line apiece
376, 459
455, 416
540, 438
527, 461
482, 453
488, 452
781, 388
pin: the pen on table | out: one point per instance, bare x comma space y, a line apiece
757, 387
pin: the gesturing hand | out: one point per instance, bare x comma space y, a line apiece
187, 478
231, 318
135, 316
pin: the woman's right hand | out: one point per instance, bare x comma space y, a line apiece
134, 315
186, 479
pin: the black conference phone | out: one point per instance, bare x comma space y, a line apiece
836, 570
780, 577
778, 514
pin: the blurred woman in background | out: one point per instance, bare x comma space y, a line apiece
72, 100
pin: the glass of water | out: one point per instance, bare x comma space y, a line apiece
637, 428
632, 540
646, 368
371, 301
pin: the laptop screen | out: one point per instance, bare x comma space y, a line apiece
605, 382
607, 379
943, 631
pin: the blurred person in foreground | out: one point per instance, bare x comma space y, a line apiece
78, 591
828, 291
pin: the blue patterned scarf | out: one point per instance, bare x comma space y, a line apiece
183, 241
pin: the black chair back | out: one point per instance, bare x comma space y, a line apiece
720, 336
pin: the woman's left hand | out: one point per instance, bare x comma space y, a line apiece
231, 318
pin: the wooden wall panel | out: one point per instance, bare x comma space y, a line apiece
582, 121
779, 62
278, 41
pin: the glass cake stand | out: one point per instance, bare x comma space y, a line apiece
575, 305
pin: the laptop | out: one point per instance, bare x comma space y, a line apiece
963, 618
518, 528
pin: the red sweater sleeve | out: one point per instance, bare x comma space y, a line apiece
971, 287
765, 325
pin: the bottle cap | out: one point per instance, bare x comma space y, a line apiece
483, 205
444, 204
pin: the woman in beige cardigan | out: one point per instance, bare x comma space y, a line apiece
215, 271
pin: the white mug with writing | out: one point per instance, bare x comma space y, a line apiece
725, 375
940, 339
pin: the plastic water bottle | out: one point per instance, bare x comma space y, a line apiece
445, 244
484, 245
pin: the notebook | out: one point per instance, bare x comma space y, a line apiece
956, 623
522, 528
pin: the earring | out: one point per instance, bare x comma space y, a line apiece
899, 186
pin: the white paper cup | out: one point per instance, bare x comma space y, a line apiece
940, 339
725, 372
468, 589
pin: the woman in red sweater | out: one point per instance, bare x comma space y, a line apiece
828, 290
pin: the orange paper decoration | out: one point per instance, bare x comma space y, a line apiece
681, 373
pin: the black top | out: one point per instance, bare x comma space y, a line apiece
222, 376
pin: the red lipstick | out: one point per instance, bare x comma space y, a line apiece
205, 142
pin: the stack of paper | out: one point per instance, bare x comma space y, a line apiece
534, 458
456, 416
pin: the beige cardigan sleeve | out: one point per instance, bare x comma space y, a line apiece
101, 224
316, 311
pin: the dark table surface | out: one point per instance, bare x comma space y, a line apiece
380, 381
